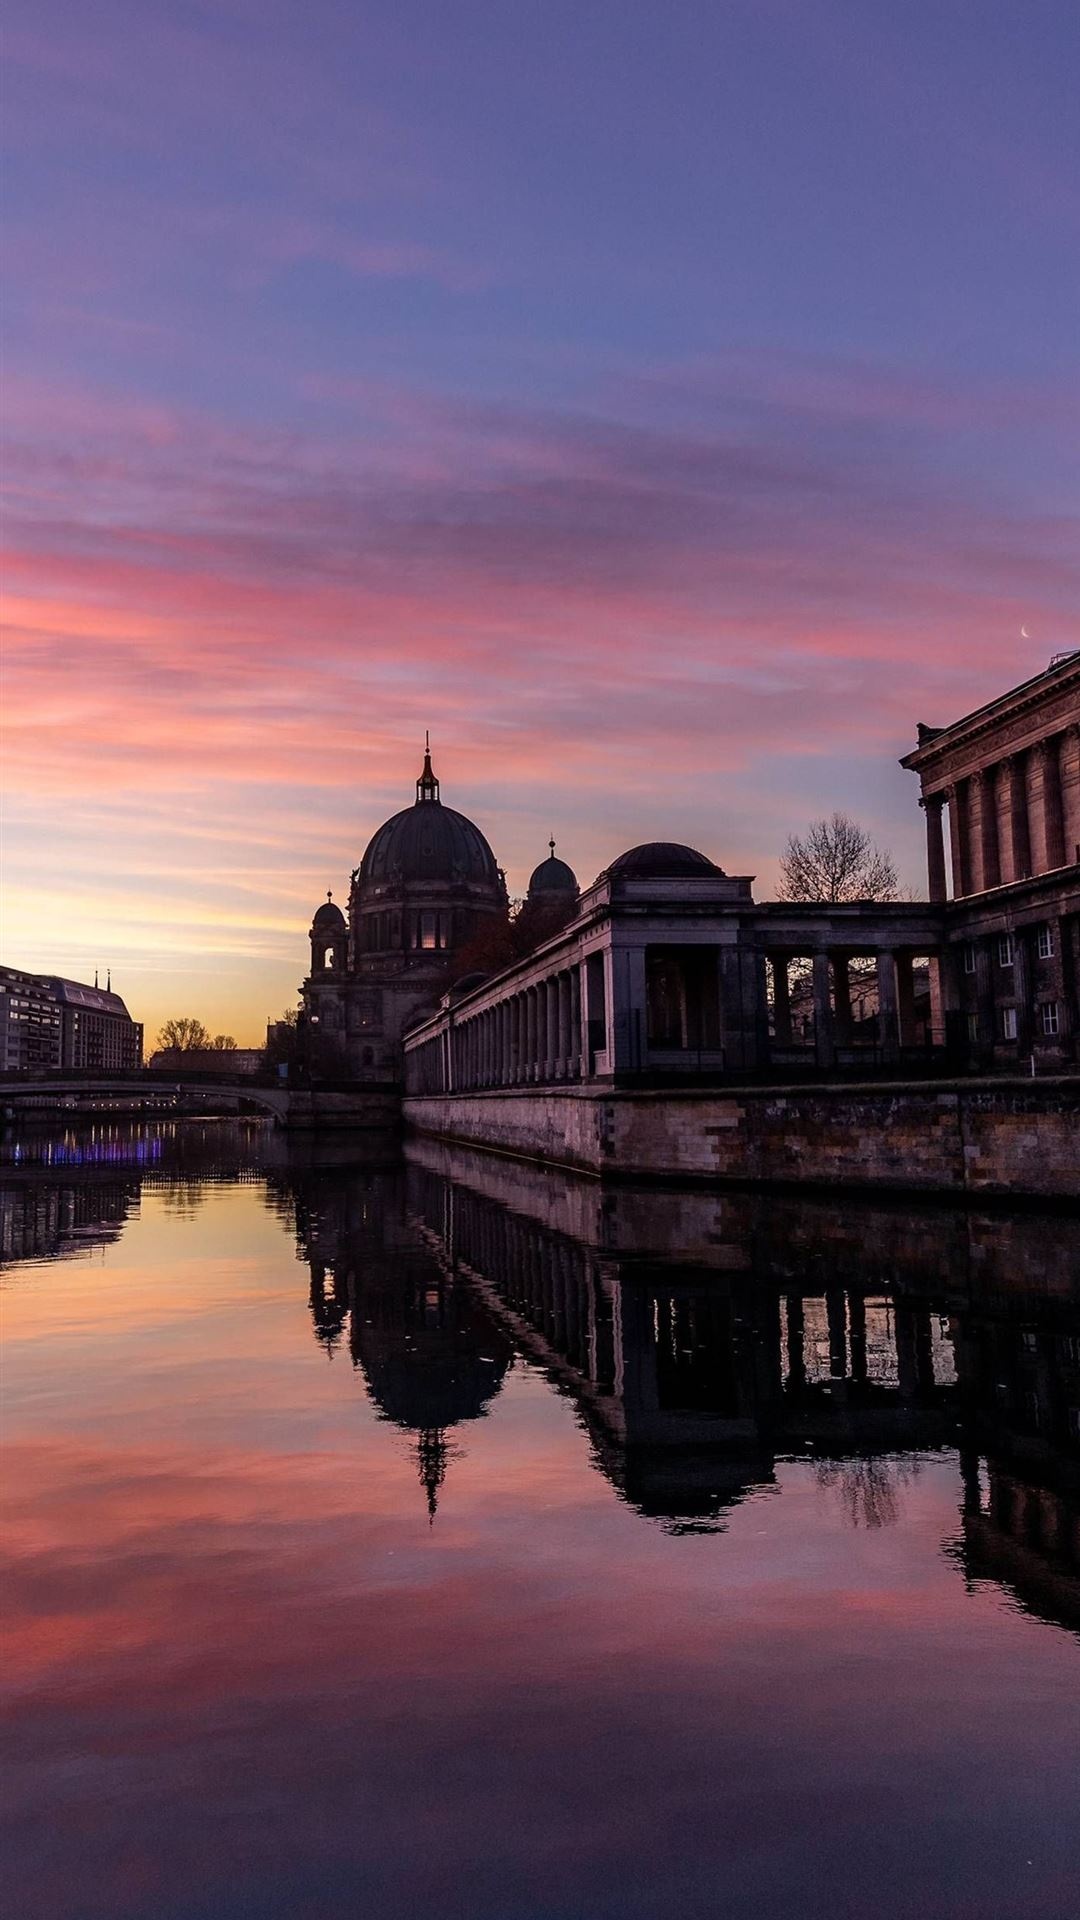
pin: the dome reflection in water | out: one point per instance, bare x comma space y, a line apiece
448, 1535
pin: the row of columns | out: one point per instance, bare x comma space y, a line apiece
833, 1021
532, 1036
1017, 817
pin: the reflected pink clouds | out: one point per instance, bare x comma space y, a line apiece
297, 1626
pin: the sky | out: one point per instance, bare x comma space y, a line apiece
666, 405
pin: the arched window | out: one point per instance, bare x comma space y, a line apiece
328, 957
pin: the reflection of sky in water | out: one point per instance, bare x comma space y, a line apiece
248, 1676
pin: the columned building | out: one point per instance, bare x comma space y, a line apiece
667, 967
1007, 777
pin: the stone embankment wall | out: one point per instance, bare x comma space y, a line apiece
328, 1110
987, 1137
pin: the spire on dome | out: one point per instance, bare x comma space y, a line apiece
427, 787
431, 1452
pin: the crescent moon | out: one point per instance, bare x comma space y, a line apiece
1024, 634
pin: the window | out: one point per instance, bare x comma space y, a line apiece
973, 1026
1008, 1023
1005, 950
1050, 1017
328, 958
969, 956
1046, 943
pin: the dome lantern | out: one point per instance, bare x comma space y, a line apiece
427, 787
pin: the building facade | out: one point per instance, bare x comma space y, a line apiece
1008, 778
48, 1022
666, 966
670, 968
427, 889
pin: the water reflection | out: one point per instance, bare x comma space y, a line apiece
430, 1353
443, 1535
704, 1338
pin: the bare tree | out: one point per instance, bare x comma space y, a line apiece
183, 1035
836, 860
223, 1043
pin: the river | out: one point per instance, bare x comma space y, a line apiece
442, 1536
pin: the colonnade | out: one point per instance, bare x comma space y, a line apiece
1014, 817
833, 1014
530, 1038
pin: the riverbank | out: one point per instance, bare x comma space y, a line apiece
1004, 1137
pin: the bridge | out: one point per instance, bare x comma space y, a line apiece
156, 1089
149, 1087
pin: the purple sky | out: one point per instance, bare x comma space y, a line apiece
667, 405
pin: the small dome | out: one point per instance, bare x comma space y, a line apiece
329, 918
663, 860
553, 876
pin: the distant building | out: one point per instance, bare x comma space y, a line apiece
49, 1022
31, 1023
230, 1060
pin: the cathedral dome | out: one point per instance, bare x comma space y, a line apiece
664, 860
429, 842
552, 876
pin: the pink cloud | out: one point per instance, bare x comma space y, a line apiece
579, 603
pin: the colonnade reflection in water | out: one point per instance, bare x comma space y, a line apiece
703, 1338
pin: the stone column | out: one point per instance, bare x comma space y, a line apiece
530, 1033
973, 848
1039, 825
1011, 820
551, 1026
931, 804
856, 1305
781, 1000
824, 1048
584, 1048
573, 1065
841, 981
626, 1016
984, 829
1069, 782
796, 1342
1055, 804
888, 1002
1003, 803
563, 1062
956, 843
905, 993
946, 1010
